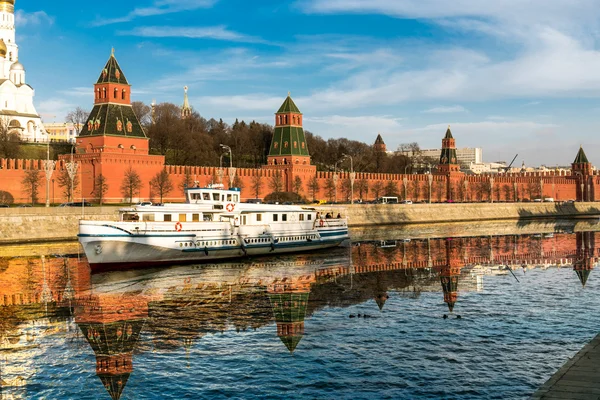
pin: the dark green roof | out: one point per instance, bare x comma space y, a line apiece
112, 72
583, 275
288, 106
448, 134
114, 338
288, 141
581, 157
379, 139
114, 384
289, 307
291, 341
448, 156
106, 119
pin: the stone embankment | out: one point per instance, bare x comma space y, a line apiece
394, 214
30, 225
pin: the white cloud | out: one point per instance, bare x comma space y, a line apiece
158, 7
55, 109
543, 11
362, 128
445, 110
34, 18
253, 102
212, 32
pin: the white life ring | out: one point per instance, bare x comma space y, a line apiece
178, 227
230, 207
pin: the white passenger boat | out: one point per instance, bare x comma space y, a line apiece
212, 224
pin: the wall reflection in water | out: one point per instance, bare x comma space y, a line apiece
162, 310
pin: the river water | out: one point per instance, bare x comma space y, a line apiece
460, 312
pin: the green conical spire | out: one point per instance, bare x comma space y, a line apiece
112, 72
448, 134
288, 106
581, 157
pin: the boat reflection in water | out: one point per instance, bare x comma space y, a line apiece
122, 314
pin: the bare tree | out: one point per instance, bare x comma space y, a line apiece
297, 185
187, 180
142, 112
161, 184
276, 182
391, 189
313, 186
78, 117
330, 189
257, 185
100, 188
131, 184
377, 189
31, 184
9, 142
363, 188
238, 182
64, 182
6, 197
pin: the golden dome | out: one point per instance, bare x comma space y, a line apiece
7, 6
3, 48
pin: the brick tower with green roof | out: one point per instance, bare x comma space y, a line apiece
449, 165
582, 170
289, 310
288, 153
112, 139
448, 161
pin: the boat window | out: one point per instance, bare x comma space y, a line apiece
207, 217
229, 197
284, 217
309, 217
129, 217
243, 220
182, 217
216, 196
196, 217
258, 217
275, 217
301, 217
218, 207
205, 196
236, 198
222, 197
147, 217
167, 217
196, 196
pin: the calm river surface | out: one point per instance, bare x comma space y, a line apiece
358, 322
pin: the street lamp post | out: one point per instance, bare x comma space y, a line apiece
335, 180
352, 177
231, 168
220, 172
49, 169
72, 171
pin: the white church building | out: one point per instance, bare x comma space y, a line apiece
16, 96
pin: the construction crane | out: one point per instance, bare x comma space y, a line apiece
509, 165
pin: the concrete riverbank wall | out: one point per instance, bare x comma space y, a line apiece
30, 225
386, 214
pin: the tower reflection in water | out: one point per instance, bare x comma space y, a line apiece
124, 313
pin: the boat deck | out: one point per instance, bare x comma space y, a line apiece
578, 379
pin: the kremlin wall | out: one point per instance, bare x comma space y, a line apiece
113, 141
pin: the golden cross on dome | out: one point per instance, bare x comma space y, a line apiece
289, 93
112, 52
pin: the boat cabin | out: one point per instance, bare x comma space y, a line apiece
212, 194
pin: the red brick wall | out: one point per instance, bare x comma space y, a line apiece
112, 165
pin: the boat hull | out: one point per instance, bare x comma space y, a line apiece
112, 248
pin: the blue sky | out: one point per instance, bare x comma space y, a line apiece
511, 76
